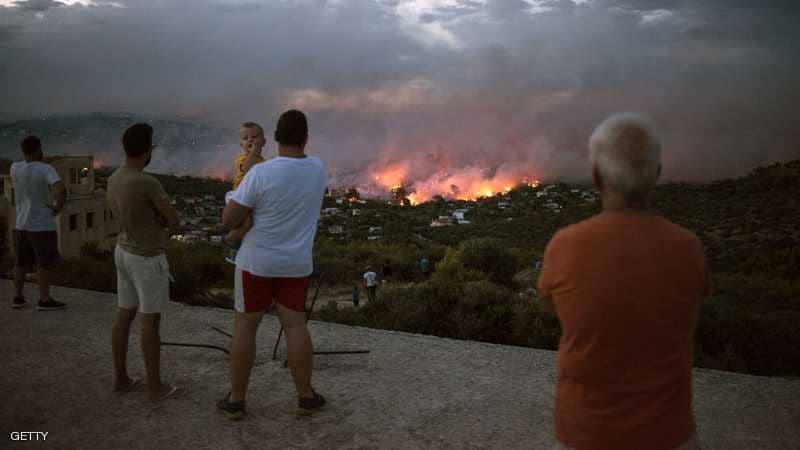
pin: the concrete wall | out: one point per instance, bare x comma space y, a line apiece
82, 220
77, 174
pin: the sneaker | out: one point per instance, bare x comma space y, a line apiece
50, 305
307, 406
231, 410
19, 302
231, 259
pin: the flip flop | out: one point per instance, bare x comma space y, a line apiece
174, 392
135, 382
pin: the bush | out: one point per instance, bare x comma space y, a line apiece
86, 273
196, 268
491, 257
92, 250
459, 303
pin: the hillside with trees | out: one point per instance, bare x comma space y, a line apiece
482, 287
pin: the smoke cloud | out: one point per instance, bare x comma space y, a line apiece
430, 92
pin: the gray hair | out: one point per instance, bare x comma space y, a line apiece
626, 153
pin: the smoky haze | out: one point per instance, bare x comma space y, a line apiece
445, 88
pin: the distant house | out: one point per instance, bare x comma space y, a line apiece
375, 230
330, 211
459, 214
335, 229
503, 205
442, 221
337, 192
85, 217
553, 206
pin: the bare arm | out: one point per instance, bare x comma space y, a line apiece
168, 212
60, 194
234, 214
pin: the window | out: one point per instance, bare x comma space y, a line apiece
83, 176
73, 222
73, 175
89, 220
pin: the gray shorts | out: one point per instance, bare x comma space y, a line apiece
36, 249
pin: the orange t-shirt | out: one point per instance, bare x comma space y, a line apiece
626, 287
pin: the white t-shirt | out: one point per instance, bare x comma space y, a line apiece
371, 278
285, 196
32, 181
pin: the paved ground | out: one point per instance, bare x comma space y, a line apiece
411, 391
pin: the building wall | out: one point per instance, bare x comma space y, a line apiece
77, 174
82, 220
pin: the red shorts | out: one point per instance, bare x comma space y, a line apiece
254, 294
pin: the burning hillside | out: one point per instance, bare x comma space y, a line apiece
467, 183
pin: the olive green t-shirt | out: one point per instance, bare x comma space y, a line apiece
132, 196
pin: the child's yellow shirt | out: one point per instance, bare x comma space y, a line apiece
237, 179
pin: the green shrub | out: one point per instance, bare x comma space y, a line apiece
196, 268
86, 273
491, 257
91, 249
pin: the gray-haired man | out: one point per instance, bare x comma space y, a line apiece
626, 286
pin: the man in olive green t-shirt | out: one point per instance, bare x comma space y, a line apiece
144, 212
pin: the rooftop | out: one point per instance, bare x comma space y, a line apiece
411, 391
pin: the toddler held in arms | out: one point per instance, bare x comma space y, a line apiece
252, 141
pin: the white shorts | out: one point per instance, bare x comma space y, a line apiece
142, 281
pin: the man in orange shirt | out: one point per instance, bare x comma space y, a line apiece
626, 286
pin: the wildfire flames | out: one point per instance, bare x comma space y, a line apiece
468, 183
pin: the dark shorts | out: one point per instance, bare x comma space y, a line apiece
253, 293
36, 249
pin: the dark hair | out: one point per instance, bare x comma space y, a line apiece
137, 140
292, 128
30, 145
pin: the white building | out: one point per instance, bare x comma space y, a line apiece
459, 214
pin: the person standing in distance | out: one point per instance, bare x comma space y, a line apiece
371, 284
35, 236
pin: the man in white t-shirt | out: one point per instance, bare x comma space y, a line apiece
35, 237
371, 283
274, 263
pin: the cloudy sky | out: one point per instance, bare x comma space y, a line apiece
437, 86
